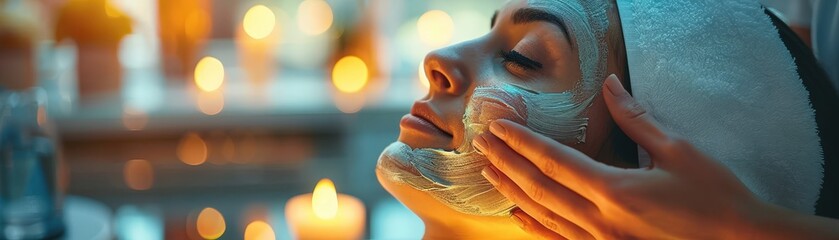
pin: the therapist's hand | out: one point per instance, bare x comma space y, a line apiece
562, 193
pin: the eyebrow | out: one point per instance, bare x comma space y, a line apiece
528, 15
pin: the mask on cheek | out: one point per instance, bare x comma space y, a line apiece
454, 177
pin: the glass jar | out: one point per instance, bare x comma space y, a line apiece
30, 200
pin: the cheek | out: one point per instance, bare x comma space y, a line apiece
567, 72
453, 112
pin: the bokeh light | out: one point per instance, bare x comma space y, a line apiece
42, 116
210, 223
435, 28
131, 222
192, 149
314, 17
259, 230
111, 10
349, 74
391, 220
139, 174
210, 103
325, 199
134, 119
349, 103
259, 22
209, 74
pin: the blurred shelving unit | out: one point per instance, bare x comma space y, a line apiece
165, 146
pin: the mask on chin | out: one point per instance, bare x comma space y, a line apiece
454, 177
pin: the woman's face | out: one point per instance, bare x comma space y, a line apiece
525, 47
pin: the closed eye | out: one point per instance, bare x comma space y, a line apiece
519, 60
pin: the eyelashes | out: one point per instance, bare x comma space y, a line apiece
518, 60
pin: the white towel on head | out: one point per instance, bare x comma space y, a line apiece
717, 73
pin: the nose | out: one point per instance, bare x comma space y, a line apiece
447, 72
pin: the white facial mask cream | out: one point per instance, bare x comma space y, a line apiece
454, 177
587, 22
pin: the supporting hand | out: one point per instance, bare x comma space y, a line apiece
562, 193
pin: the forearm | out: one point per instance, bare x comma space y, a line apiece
773, 222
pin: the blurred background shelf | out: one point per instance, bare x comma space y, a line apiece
156, 134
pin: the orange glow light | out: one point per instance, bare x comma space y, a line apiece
210, 223
435, 28
42, 116
349, 74
192, 149
210, 103
134, 120
314, 17
139, 174
349, 103
209, 74
259, 22
197, 24
112, 10
259, 230
325, 199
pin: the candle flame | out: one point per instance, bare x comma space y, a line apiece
259, 22
349, 74
325, 199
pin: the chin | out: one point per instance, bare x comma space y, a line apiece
419, 202
443, 222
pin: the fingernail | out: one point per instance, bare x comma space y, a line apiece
497, 130
490, 175
479, 143
614, 85
518, 220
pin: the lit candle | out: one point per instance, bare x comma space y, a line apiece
325, 214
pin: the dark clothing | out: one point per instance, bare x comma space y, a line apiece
826, 104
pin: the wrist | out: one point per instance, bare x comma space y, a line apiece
754, 219
769, 221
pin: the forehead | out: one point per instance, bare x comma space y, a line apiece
569, 12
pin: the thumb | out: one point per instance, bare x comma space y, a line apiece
632, 118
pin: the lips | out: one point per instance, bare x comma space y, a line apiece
423, 129
422, 124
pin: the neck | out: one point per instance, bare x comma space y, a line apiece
618, 150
